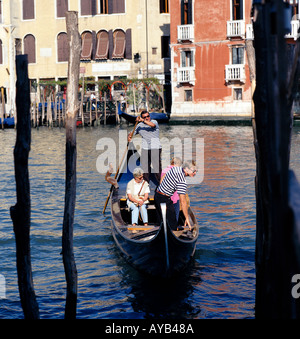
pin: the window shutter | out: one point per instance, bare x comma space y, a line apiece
165, 48
61, 8
241, 9
183, 61
93, 7
182, 12
94, 44
128, 48
102, 46
234, 56
116, 6
111, 43
119, 6
119, 45
62, 47
190, 12
192, 59
1, 54
87, 46
241, 55
28, 9
86, 7
29, 48
110, 7
161, 8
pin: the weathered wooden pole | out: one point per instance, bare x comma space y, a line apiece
20, 213
91, 106
71, 157
276, 262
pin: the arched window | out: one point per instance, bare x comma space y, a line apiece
102, 45
119, 44
62, 47
29, 48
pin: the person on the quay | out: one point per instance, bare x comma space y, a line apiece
151, 147
174, 180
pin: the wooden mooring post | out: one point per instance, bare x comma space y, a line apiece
71, 158
20, 213
277, 189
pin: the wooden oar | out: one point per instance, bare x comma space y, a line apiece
111, 188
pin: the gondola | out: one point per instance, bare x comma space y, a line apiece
158, 116
155, 250
8, 122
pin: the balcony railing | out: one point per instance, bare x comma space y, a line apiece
185, 33
186, 74
249, 32
235, 73
236, 28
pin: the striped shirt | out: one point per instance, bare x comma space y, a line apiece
173, 181
150, 135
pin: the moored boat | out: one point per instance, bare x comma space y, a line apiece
160, 117
8, 122
154, 249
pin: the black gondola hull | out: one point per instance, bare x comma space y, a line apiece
158, 252
150, 256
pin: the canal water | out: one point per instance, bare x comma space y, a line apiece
220, 282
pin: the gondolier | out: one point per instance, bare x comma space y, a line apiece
151, 146
174, 180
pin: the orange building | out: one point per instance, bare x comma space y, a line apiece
210, 73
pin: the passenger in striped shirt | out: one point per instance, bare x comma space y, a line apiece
151, 147
174, 180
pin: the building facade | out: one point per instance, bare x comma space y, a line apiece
210, 74
118, 40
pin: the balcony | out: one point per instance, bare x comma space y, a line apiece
236, 29
186, 75
235, 73
185, 33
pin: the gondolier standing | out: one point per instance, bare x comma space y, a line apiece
174, 180
151, 147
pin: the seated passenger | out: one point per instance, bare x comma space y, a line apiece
137, 193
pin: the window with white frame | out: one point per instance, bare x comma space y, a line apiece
186, 12
237, 7
188, 95
237, 94
164, 6
187, 58
237, 55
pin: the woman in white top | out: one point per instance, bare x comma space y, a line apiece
137, 193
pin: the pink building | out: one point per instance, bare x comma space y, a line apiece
210, 73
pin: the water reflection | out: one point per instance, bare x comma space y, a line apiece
154, 298
219, 284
